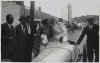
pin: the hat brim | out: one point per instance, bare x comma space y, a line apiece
90, 19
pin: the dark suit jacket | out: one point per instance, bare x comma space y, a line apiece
7, 44
92, 34
21, 42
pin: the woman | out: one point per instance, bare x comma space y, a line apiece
60, 31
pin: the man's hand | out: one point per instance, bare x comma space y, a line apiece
61, 39
76, 44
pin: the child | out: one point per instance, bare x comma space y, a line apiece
44, 40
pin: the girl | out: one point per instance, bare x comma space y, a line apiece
44, 40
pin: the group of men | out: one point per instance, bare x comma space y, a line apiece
17, 43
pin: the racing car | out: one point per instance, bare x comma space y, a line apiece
60, 52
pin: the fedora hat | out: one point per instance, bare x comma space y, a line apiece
90, 19
21, 18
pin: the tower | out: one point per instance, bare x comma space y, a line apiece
69, 12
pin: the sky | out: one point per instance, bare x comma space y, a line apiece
79, 7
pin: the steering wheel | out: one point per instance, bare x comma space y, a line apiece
71, 42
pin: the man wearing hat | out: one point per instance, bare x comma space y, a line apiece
92, 32
21, 37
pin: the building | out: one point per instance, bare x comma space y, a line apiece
14, 8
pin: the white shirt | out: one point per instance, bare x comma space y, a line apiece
90, 26
23, 29
28, 28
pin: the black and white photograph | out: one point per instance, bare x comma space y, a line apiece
50, 30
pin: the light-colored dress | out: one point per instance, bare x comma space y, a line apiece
60, 30
44, 41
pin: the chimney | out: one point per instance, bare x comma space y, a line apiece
32, 9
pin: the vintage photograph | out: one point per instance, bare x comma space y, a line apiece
50, 31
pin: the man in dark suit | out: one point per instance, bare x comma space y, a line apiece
8, 39
30, 39
21, 37
92, 32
